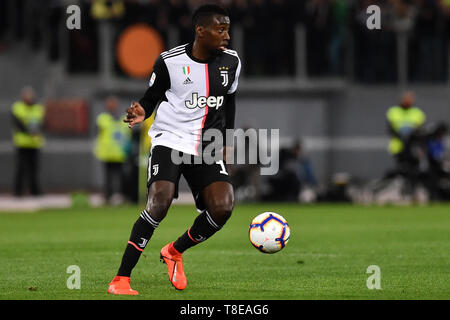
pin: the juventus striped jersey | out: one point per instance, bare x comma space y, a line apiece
190, 96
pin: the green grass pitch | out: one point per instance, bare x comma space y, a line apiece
327, 257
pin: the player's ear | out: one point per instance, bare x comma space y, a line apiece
199, 30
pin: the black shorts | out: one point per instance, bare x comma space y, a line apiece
198, 176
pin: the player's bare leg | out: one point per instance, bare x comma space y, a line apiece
159, 199
160, 196
219, 201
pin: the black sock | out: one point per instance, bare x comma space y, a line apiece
140, 235
203, 228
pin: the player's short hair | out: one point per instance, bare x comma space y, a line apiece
202, 16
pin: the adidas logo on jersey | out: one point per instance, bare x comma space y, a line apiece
188, 81
201, 102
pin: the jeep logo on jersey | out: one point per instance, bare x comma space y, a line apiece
201, 102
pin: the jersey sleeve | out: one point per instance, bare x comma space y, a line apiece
158, 84
234, 85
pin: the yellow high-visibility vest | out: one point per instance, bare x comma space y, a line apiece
113, 139
30, 116
403, 121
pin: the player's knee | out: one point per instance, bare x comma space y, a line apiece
221, 210
158, 204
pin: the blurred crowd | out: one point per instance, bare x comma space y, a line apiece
418, 146
338, 41
419, 149
421, 170
426, 23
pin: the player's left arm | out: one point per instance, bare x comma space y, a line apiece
158, 84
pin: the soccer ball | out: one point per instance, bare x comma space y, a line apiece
269, 232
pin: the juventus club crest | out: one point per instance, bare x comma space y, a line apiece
224, 75
155, 169
143, 243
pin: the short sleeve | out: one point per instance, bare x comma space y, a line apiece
158, 84
234, 85
159, 79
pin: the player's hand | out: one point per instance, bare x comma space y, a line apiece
135, 114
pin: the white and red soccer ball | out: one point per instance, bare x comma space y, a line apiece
269, 232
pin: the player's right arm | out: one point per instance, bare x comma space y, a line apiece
158, 85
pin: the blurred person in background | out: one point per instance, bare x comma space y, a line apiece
112, 148
337, 190
437, 176
404, 122
295, 174
107, 9
285, 184
303, 166
28, 139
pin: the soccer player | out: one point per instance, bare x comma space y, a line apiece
192, 88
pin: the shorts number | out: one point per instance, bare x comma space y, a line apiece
222, 166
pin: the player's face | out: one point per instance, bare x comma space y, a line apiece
216, 34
